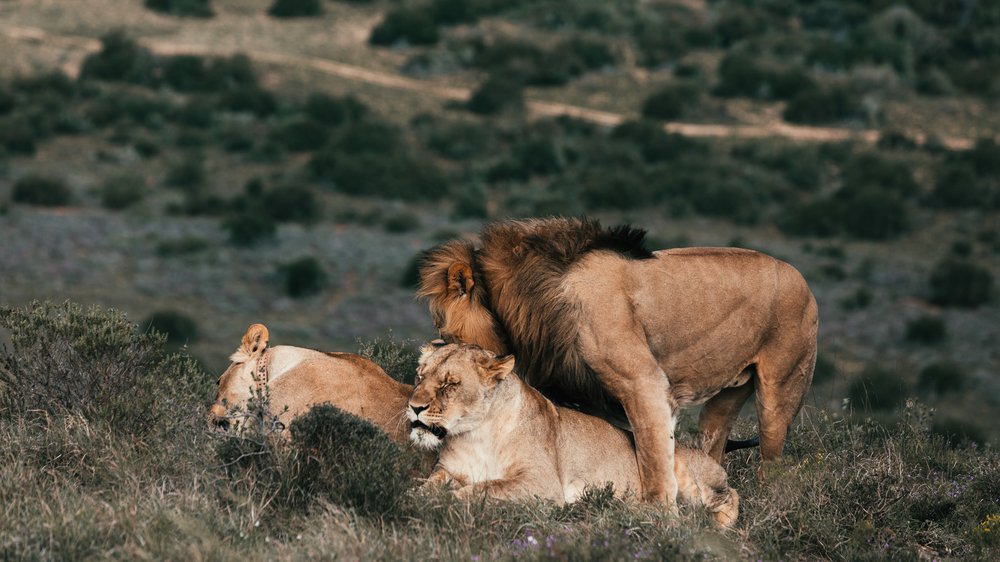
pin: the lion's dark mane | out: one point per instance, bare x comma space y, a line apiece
523, 264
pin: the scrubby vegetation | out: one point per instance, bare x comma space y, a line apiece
122, 464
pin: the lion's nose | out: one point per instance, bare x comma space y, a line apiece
417, 409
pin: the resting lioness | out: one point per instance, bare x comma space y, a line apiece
295, 379
501, 437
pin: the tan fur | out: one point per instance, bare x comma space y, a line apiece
596, 320
506, 440
302, 378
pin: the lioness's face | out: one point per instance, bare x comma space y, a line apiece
451, 393
235, 389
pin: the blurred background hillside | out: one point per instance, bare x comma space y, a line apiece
206, 164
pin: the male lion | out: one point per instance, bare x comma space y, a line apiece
296, 379
597, 320
500, 437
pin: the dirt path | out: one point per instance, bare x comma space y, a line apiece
82, 46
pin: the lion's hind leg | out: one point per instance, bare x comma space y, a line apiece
718, 416
781, 388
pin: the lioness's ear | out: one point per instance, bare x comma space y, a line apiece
428, 349
256, 338
254, 343
460, 280
501, 367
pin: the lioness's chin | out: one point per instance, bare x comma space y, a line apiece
424, 439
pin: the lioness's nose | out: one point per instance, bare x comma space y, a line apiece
417, 409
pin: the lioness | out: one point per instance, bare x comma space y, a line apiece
501, 437
597, 320
296, 379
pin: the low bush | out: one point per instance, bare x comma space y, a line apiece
499, 93
877, 389
179, 328
958, 433
957, 187
740, 75
402, 221
183, 246
826, 369
249, 228
293, 203
254, 100
122, 191
413, 25
186, 173
960, 282
66, 360
333, 111
397, 358
41, 191
822, 106
859, 299
342, 454
121, 60
295, 8
303, 277
668, 102
187, 8
456, 140
942, 378
926, 329
300, 134
655, 144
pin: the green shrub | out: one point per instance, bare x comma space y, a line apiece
249, 228
957, 187
960, 282
179, 328
41, 191
413, 25
497, 94
396, 358
65, 359
340, 453
452, 12
181, 246
292, 203
188, 73
875, 215
17, 136
253, 100
188, 8
870, 171
667, 103
295, 8
122, 191
469, 202
655, 144
877, 389
942, 378
457, 140
411, 273
303, 277
399, 222
395, 176
334, 111
121, 60
821, 106
740, 75
857, 300
926, 329
300, 134
186, 173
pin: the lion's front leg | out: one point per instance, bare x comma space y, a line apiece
652, 420
633, 377
441, 477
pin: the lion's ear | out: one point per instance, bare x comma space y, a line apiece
501, 367
460, 281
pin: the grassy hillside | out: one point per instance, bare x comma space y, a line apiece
202, 165
111, 461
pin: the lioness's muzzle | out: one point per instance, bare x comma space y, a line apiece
436, 431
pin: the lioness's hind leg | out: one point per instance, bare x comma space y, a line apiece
718, 416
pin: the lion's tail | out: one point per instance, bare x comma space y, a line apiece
736, 445
253, 345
